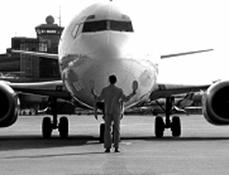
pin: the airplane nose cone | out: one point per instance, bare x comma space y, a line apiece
105, 45
102, 58
120, 67
126, 70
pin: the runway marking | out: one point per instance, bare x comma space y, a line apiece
126, 143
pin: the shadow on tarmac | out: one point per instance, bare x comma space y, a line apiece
53, 155
37, 142
175, 139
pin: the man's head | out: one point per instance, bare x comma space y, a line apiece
112, 79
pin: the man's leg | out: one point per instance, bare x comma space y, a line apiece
107, 133
116, 130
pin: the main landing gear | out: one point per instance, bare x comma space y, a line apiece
49, 125
174, 124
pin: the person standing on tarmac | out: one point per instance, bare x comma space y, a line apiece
113, 98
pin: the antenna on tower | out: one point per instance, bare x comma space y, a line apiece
59, 15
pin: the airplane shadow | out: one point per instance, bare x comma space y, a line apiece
37, 142
177, 139
54, 155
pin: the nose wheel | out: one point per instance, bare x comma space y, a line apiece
101, 132
174, 125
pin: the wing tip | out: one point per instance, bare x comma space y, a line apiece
186, 53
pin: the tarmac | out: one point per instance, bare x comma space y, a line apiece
201, 149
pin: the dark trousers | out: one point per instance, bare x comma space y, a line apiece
109, 119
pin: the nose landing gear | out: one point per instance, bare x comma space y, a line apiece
101, 132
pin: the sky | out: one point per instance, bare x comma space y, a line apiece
165, 26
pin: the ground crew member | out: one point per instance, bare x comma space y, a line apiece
113, 98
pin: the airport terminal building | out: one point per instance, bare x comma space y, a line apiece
33, 68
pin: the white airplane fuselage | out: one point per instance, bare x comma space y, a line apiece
89, 54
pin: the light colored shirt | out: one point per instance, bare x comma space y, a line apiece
113, 98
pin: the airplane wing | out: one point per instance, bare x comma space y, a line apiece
185, 53
167, 90
38, 54
164, 90
49, 88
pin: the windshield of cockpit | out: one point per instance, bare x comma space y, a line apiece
103, 25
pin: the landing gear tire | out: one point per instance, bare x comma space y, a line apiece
46, 128
159, 127
63, 127
101, 133
176, 126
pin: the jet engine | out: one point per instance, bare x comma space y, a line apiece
216, 103
9, 104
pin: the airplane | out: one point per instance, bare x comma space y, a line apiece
98, 42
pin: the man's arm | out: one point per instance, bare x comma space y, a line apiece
94, 94
134, 88
127, 98
98, 98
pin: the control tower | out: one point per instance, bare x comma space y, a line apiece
49, 35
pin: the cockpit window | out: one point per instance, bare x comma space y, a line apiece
96, 26
121, 26
75, 30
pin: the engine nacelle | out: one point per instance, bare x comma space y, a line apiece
216, 103
9, 105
